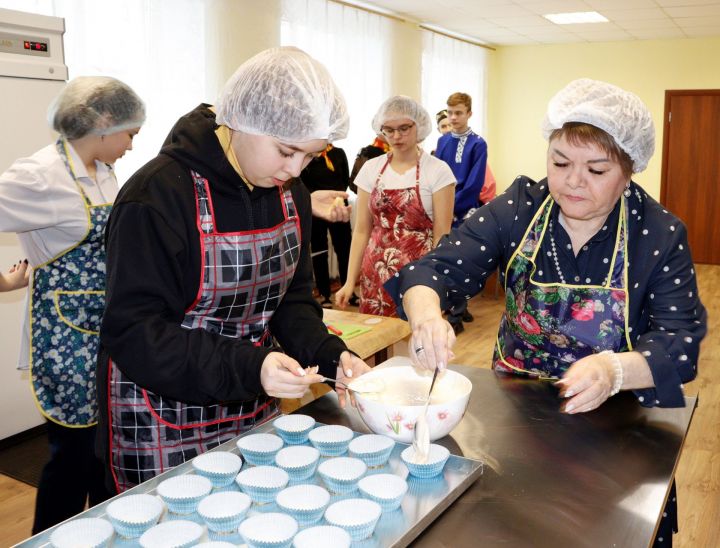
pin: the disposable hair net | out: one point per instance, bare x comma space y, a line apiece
401, 106
284, 93
97, 105
618, 112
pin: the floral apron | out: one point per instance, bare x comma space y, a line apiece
67, 299
547, 327
402, 232
244, 277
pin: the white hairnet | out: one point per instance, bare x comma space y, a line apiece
97, 105
401, 106
618, 112
285, 93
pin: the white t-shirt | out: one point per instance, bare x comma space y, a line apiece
434, 175
40, 201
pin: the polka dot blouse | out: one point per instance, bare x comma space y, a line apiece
666, 318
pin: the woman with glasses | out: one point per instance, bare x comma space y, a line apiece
405, 205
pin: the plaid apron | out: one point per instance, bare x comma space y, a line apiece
402, 232
547, 327
67, 299
244, 277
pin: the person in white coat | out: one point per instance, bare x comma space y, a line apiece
58, 201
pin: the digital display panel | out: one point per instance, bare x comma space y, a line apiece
35, 46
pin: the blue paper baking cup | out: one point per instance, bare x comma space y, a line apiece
373, 449
294, 429
331, 440
437, 458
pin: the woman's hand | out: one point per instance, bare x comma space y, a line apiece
349, 368
431, 342
588, 383
18, 276
330, 205
343, 295
283, 377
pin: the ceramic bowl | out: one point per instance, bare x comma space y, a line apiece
357, 516
341, 474
322, 536
259, 449
436, 460
306, 503
299, 461
183, 493
373, 449
331, 440
132, 515
394, 411
262, 483
269, 530
86, 532
223, 512
387, 490
294, 429
220, 467
179, 533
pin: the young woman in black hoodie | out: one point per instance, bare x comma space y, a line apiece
210, 316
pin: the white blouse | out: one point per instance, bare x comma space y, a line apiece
41, 203
434, 175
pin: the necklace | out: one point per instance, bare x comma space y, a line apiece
554, 253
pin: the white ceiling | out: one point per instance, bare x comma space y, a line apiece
514, 22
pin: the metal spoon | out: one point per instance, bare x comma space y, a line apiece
421, 432
365, 390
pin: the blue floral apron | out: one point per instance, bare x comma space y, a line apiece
546, 327
244, 278
67, 300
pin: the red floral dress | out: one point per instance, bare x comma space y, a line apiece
401, 233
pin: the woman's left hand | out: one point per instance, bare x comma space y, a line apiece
349, 368
587, 383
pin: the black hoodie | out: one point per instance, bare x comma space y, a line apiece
153, 273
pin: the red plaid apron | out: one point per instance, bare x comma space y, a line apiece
244, 277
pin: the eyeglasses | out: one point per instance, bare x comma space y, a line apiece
402, 130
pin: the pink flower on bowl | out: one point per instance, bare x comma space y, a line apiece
442, 415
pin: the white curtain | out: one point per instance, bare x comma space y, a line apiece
353, 45
450, 65
156, 47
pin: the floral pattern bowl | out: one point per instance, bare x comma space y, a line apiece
393, 411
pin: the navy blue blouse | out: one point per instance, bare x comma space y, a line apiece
666, 319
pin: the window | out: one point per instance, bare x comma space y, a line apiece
450, 65
157, 48
353, 45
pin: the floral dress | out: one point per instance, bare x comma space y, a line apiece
401, 233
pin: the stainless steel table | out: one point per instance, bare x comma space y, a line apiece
551, 479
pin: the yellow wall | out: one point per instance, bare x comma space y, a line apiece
523, 78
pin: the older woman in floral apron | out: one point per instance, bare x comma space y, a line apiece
601, 294
58, 200
210, 316
404, 205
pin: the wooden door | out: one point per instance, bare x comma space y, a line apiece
690, 183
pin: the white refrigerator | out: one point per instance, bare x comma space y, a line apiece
32, 72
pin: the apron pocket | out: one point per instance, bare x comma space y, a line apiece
81, 310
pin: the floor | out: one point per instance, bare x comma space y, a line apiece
698, 473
